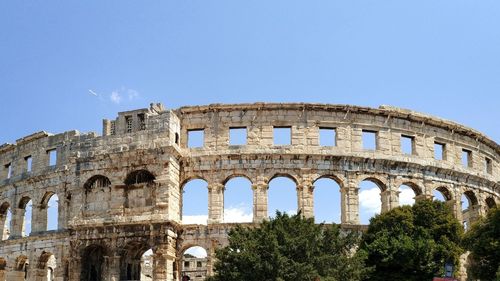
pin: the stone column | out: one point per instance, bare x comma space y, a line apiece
349, 204
456, 207
260, 201
164, 258
390, 199
38, 219
17, 223
306, 199
3, 229
215, 203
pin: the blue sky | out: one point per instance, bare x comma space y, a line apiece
438, 57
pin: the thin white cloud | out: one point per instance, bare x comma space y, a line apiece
115, 97
237, 215
197, 251
196, 219
132, 94
406, 196
369, 201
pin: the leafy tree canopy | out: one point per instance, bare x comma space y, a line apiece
290, 248
483, 241
412, 242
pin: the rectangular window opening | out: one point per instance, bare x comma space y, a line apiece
196, 138
439, 151
142, 121
488, 165
128, 124
29, 161
52, 157
8, 167
369, 140
327, 136
198, 264
408, 144
466, 158
238, 136
113, 128
282, 135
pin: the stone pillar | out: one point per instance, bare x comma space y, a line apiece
17, 223
349, 204
38, 218
456, 207
215, 203
390, 200
305, 190
164, 258
113, 263
39, 274
260, 202
3, 229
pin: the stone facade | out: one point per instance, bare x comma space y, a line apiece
120, 194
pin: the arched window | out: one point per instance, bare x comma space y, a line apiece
194, 263
140, 176
238, 200
5, 220
195, 202
27, 206
407, 194
53, 213
370, 199
136, 262
441, 194
282, 196
327, 206
47, 262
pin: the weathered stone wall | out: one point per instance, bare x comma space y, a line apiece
120, 194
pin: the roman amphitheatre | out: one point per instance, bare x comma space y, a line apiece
120, 194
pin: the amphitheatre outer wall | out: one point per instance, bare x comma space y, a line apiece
120, 193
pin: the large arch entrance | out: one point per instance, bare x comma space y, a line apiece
93, 266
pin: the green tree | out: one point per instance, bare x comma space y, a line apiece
290, 248
412, 242
483, 242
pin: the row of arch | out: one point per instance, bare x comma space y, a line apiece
26, 217
238, 197
21, 268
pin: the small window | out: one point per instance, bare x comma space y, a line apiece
327, 137
488, 167
198, 264
369, 140
177, 138
282, 135
128, 124
113, 128
29, 161
196, 138
142, 121
439, 151
408, 144
8, 167
52, 157
186, 264
466, 158
238, 136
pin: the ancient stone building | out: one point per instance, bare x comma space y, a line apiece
120, 194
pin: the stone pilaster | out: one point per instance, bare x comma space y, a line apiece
349, 205
164, 258
17, 224
260, 201
306, 199
390, 200
215, 203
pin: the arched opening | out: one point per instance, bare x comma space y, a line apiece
47, 263
327, 206
97, 195
490, 203
5, 220
3, 265
282, 196
26, 206
195, 202
469, 210
21, 267
137, 263
138, 177
407, 194
194, 264
51, 202
441, 194
370, 199
93, 263
238, 200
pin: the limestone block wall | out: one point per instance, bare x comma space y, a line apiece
121, 193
